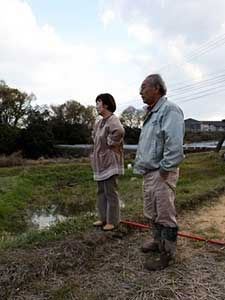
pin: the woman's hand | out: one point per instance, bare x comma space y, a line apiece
115, 148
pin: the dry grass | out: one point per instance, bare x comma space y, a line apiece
98, 265
16, 159
209, 220
12, 160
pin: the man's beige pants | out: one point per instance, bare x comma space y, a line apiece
159, 198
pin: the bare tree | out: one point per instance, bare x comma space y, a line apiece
14, 105
132, 117
72, 112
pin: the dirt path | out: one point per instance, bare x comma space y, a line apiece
97, 265
206, 218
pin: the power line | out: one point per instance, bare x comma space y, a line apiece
203, 95
189, 81
201, 88
196, 93
195, 89
203, 49
192, 97
199, 83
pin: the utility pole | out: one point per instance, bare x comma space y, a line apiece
220, 142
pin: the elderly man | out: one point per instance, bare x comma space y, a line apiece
159, 153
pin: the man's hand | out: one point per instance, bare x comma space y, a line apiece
163, 173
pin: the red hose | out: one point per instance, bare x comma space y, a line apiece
189, 236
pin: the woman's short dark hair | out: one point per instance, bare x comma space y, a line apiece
108, 100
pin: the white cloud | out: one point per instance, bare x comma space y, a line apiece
193, 71
192, 18
107, 17
141, 32
176, 50
214, 117
35, 58
174, 43
160, 37
118, 55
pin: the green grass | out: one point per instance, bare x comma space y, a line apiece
72, 189
58, 231
202, 177
31, 188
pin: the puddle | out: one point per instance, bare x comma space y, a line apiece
45, 218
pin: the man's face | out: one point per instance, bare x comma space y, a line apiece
149, 93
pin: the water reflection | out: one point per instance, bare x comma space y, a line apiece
121, 203
45, 218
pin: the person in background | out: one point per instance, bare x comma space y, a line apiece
107, 161
159, 153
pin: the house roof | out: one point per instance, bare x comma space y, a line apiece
214, 123
191, 121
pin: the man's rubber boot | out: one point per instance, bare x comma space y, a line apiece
167, 250
160, 263
153, 245
150, 246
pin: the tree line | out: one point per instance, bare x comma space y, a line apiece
34, 129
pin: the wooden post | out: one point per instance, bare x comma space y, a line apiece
220, 142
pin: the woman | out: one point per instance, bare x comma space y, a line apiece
107, 161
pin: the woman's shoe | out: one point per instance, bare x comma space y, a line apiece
108, 227
98, 223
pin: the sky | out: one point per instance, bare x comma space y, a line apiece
77, 49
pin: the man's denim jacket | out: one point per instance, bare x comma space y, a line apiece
161, 140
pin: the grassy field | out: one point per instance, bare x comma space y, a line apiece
70, 187
70, 259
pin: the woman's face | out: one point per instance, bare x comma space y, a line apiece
100, 107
